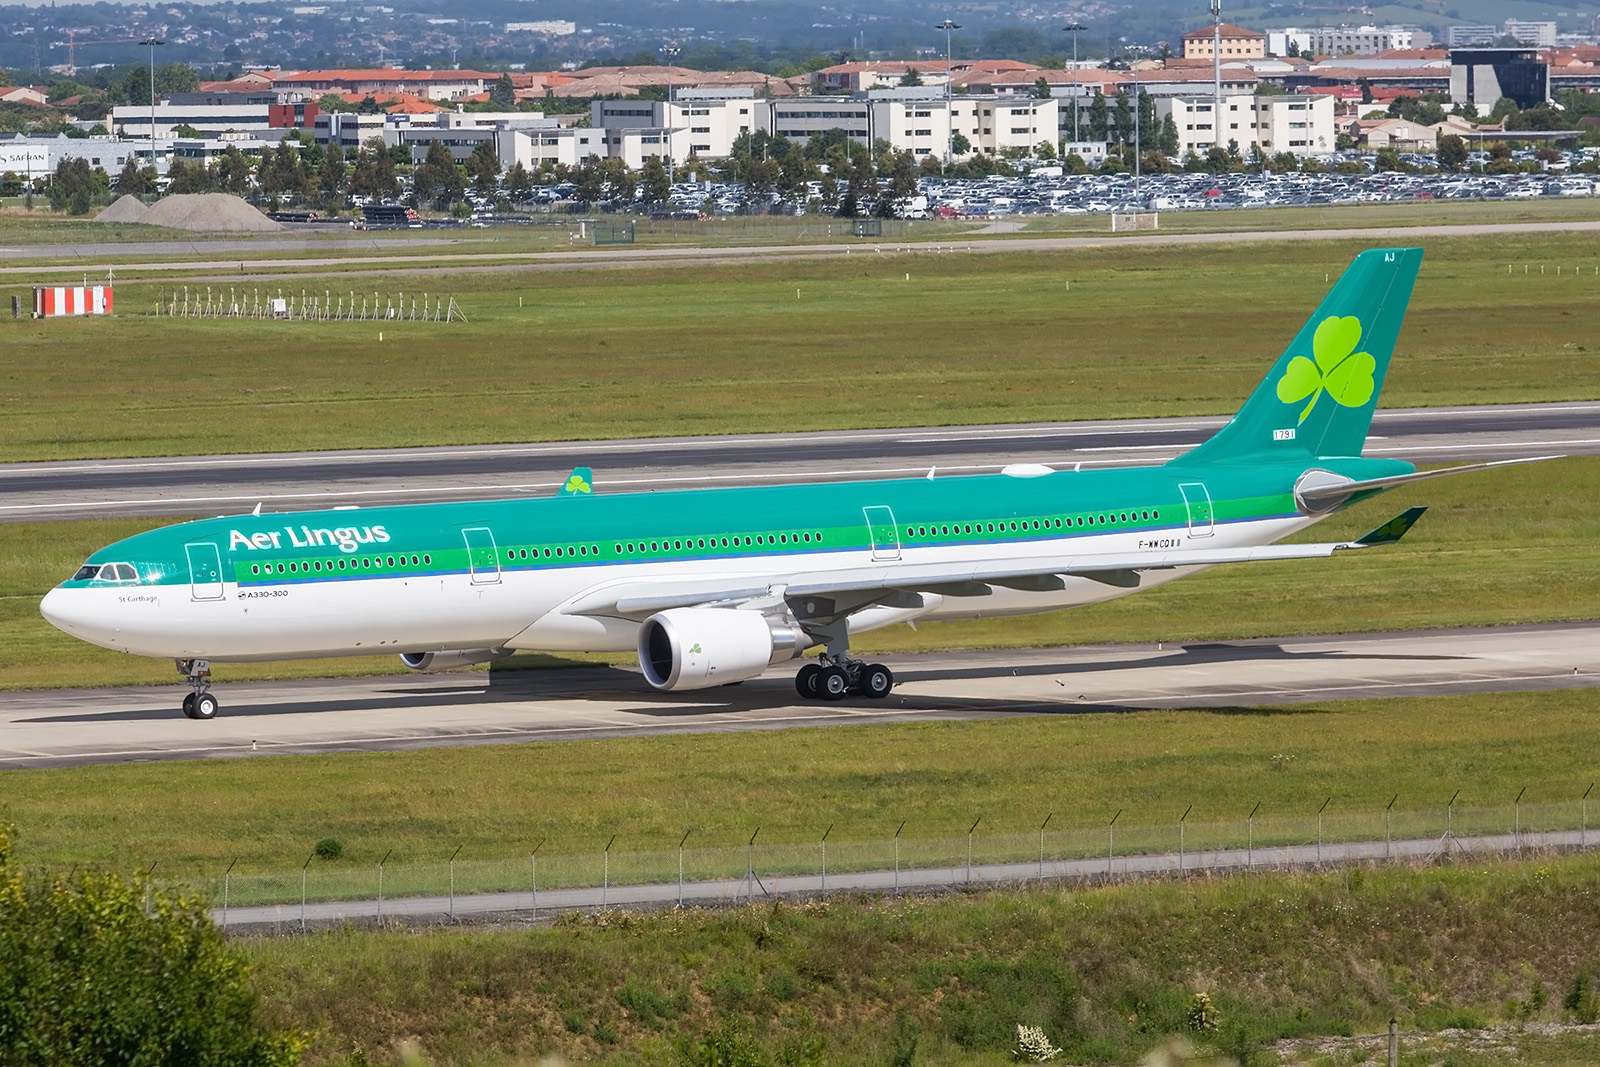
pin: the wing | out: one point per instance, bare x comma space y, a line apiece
850, 589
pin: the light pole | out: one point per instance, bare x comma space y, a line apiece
152, 42
671, 53
947, 26
949, 111
1074, 27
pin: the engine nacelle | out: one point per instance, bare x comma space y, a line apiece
451, 658
696, 648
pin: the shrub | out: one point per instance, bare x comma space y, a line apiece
727, 1047
648, 1004
1581, 999
1033, 1046
98, 969
329, 848
1202, 1017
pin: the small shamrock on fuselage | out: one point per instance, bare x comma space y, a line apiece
1338, 369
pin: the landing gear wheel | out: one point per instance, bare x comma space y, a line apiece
876, 680
805, 683
188, 705
833, 683
203, 705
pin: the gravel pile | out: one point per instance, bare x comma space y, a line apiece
128, 208
208, 213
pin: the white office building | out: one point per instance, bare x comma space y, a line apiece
1302, 125
1356, 40
208, 120
700, 122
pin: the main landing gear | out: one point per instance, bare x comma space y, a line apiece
199, 704
835, 677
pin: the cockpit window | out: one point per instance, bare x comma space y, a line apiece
106, 572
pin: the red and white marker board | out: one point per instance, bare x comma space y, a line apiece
52, 301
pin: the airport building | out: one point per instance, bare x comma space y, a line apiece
1481, 76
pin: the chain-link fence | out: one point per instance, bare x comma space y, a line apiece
1122, 845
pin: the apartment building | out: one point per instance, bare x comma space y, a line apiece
1237, 43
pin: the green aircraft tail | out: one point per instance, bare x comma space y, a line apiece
1319, 398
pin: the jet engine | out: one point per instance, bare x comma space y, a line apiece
696, 648
451, 658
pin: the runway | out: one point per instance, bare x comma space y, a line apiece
209, 485
68, 727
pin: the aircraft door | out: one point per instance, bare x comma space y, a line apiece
483, 559
482, 555
883, 532
205, 571
1198, 501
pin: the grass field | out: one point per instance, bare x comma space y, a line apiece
496, 801
1108, 973
587, 354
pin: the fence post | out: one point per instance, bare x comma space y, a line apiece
1320, 810
1450, 819
303, 867
824, 844
897, 855
1388, 836
1583, 838
381, 862
533, 858
1394, 1044
681, 840
1250, 838
1042, 825
1111, 837
1516, 820
225, 876
605, 878
1182, 819
750, 865
453, 856
971, 828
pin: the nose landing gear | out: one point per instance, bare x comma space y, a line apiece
199, 704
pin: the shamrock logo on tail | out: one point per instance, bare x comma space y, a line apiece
1338, 369
576, 484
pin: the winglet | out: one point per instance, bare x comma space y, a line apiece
1393, 530
579, 483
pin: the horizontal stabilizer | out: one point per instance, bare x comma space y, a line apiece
1328, 495
1391, 531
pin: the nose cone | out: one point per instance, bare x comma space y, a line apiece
70, 610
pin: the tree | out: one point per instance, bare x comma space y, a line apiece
134, 180
331, 175
373, 176
1122, 114
484, 166
503, 97
1388, 158
589, 183
233, 171
654, 187
333, 102
1041, 88
97, 969
911, 77
75, 186
283, 172
795, 172
1099, 118
1167, 136
519, 183
1045, 150
1451, 152
902, 184
438, 179
959, 145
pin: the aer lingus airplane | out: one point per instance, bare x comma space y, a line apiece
713, 586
